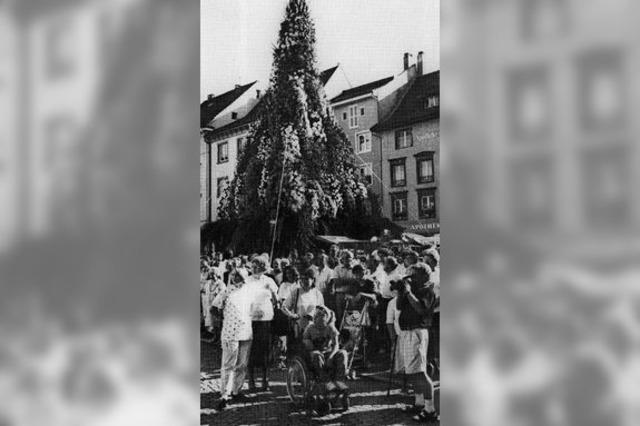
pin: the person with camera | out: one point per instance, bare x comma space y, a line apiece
416, 302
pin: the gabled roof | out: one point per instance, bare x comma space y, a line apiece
254, 113
210, 108
411, 108
326, 75
361, 90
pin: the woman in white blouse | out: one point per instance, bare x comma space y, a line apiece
301, 303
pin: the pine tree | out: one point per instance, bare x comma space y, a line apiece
295, 152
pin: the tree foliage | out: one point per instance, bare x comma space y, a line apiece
295, 152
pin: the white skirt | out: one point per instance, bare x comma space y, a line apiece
411, 351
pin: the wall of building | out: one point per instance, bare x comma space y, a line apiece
365, 122
204, 184
426, 137
223, 170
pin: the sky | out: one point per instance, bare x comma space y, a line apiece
366, 37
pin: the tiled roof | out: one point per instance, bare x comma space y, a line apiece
253, 114
411, 108
209, 109
361, 90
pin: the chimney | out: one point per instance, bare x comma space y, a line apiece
237, 86
406, 61
258, 94
419, 63
234, 115
210, 97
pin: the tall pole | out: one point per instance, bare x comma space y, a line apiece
275, 226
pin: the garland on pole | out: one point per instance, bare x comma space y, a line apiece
297, 142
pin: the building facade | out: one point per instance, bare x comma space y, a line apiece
410, 147
356, 110
224, 137
216, 158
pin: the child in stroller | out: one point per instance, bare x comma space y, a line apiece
328, 361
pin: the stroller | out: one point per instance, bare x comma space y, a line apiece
352, 335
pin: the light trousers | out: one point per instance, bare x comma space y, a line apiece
235, 357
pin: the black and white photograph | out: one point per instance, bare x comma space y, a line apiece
319, 212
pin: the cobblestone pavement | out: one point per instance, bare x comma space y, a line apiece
369, 402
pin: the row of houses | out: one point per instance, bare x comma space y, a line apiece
392, 124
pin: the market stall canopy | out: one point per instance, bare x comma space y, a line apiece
338, 239
343, 241
410, 237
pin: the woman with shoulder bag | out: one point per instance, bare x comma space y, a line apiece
301, 304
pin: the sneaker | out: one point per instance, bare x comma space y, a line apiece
426, 416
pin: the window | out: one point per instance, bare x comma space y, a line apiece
242, 143
353, 116
424, 167
361, 111
363, 142
398, 172
223, 152
222, 185
404, 138
60, 50
366, 172
431, 102
399, 206
344, 115
427, 203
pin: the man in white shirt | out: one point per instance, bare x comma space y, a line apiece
236, 335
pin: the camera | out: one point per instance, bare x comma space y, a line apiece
398, 285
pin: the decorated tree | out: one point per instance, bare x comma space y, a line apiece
298, 165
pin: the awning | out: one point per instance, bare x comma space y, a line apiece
338, 239
410, 237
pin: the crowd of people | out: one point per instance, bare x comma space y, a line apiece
262, 309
